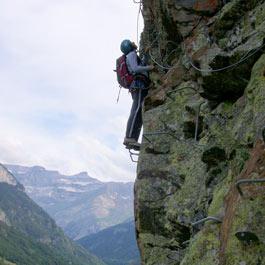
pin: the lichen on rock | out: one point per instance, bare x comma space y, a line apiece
212, 87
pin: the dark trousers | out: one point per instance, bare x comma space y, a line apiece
135, 120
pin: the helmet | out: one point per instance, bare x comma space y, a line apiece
126, 46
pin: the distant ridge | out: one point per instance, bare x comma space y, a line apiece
28, 236
79, 204
115, 245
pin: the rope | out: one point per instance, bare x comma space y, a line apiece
160, 65
118, 98
138, 18
243, 59
166, 67
170, 54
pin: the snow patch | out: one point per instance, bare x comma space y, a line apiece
73, 182
6, 176
125, 197
70, 189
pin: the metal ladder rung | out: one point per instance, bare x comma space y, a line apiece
132, 154
168, 94
145, 135
247, 181
209, 218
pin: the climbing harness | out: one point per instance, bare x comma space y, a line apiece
247, 181
162, 66
209, 218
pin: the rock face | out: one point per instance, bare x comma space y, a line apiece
208, 100
6, 177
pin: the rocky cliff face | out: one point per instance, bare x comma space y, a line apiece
203, 134
6, 177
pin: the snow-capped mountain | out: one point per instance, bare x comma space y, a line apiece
80, 204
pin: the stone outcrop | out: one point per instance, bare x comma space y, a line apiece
3, 218
208, 100
7, 177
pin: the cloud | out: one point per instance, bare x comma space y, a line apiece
58, 91
70, 152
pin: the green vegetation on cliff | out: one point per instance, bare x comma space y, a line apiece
215, 93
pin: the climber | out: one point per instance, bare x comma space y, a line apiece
138, 90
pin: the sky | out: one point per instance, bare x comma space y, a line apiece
58, 90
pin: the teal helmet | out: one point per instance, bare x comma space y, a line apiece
126, 46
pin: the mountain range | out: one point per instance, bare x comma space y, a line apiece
80, 205
115, 245
28, 236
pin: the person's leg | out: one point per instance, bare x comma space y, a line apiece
135, 121
139, 117
136, 106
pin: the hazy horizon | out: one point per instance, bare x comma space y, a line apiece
58, 105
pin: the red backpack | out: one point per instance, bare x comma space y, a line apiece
124, 77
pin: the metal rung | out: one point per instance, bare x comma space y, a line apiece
209, 218
185, 243
158, 133
247, 181
132, 154
179, 90
197, 121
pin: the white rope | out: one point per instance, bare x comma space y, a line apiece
243, 59
118, 98
160, 65
163, 66
138, 18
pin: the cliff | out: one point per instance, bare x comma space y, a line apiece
203, 134
7, 177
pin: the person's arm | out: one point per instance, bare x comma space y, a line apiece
134, 66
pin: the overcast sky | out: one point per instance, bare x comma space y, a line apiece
57, 86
